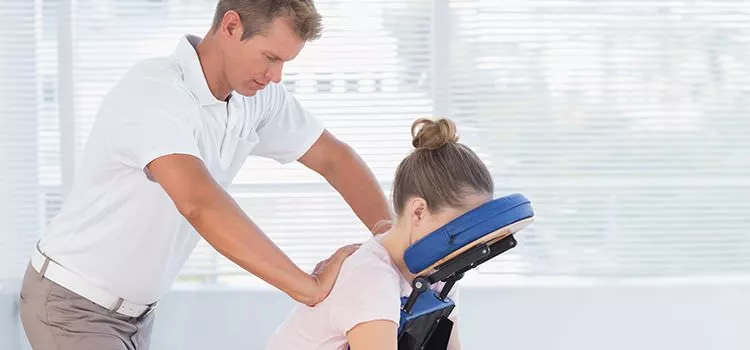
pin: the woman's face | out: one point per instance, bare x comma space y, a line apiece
422, 221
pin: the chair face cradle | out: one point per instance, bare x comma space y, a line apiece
444, 256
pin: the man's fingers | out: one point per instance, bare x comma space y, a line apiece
347, 250
337, 257
326, 271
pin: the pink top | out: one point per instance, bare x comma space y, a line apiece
368, 288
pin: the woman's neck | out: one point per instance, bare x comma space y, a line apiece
396, 241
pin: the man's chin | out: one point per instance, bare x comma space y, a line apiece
248, 92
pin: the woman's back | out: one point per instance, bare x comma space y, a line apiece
368, 288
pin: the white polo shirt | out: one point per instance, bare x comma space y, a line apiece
118, 228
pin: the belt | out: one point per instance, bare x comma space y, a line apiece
54, 272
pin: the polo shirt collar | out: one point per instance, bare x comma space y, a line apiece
195, 80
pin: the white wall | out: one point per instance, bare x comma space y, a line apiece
612, 316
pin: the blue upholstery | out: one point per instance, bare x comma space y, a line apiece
424, 322
465, 229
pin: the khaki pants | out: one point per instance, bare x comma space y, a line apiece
56, 318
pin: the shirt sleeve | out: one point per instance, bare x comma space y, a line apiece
363, 297
138, 141
287, 130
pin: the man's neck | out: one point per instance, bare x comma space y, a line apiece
209, 56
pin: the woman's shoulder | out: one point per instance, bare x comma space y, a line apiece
367, 268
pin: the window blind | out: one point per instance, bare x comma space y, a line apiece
19, 206
624, 122
354, 78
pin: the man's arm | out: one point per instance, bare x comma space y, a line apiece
218, 218
342, 167
373, 335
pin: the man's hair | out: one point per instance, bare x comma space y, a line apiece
256, 15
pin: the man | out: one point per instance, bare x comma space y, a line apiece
168, 140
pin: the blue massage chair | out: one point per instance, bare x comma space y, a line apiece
444, 255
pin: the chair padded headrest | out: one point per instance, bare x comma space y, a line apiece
467, 228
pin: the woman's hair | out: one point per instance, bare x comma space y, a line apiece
440, 170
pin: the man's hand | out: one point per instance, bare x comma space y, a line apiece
223, 224
326, 271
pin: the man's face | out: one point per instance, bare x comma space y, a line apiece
252, 63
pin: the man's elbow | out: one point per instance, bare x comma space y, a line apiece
345, 157
195, 206
190, 210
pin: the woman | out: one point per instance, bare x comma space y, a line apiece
440, 180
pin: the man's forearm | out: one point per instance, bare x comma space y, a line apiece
226, 227
356, 183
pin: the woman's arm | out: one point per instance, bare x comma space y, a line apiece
373, 335
454, 343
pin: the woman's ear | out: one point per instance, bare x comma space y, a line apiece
417, 210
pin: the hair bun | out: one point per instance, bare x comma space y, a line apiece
433, 134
